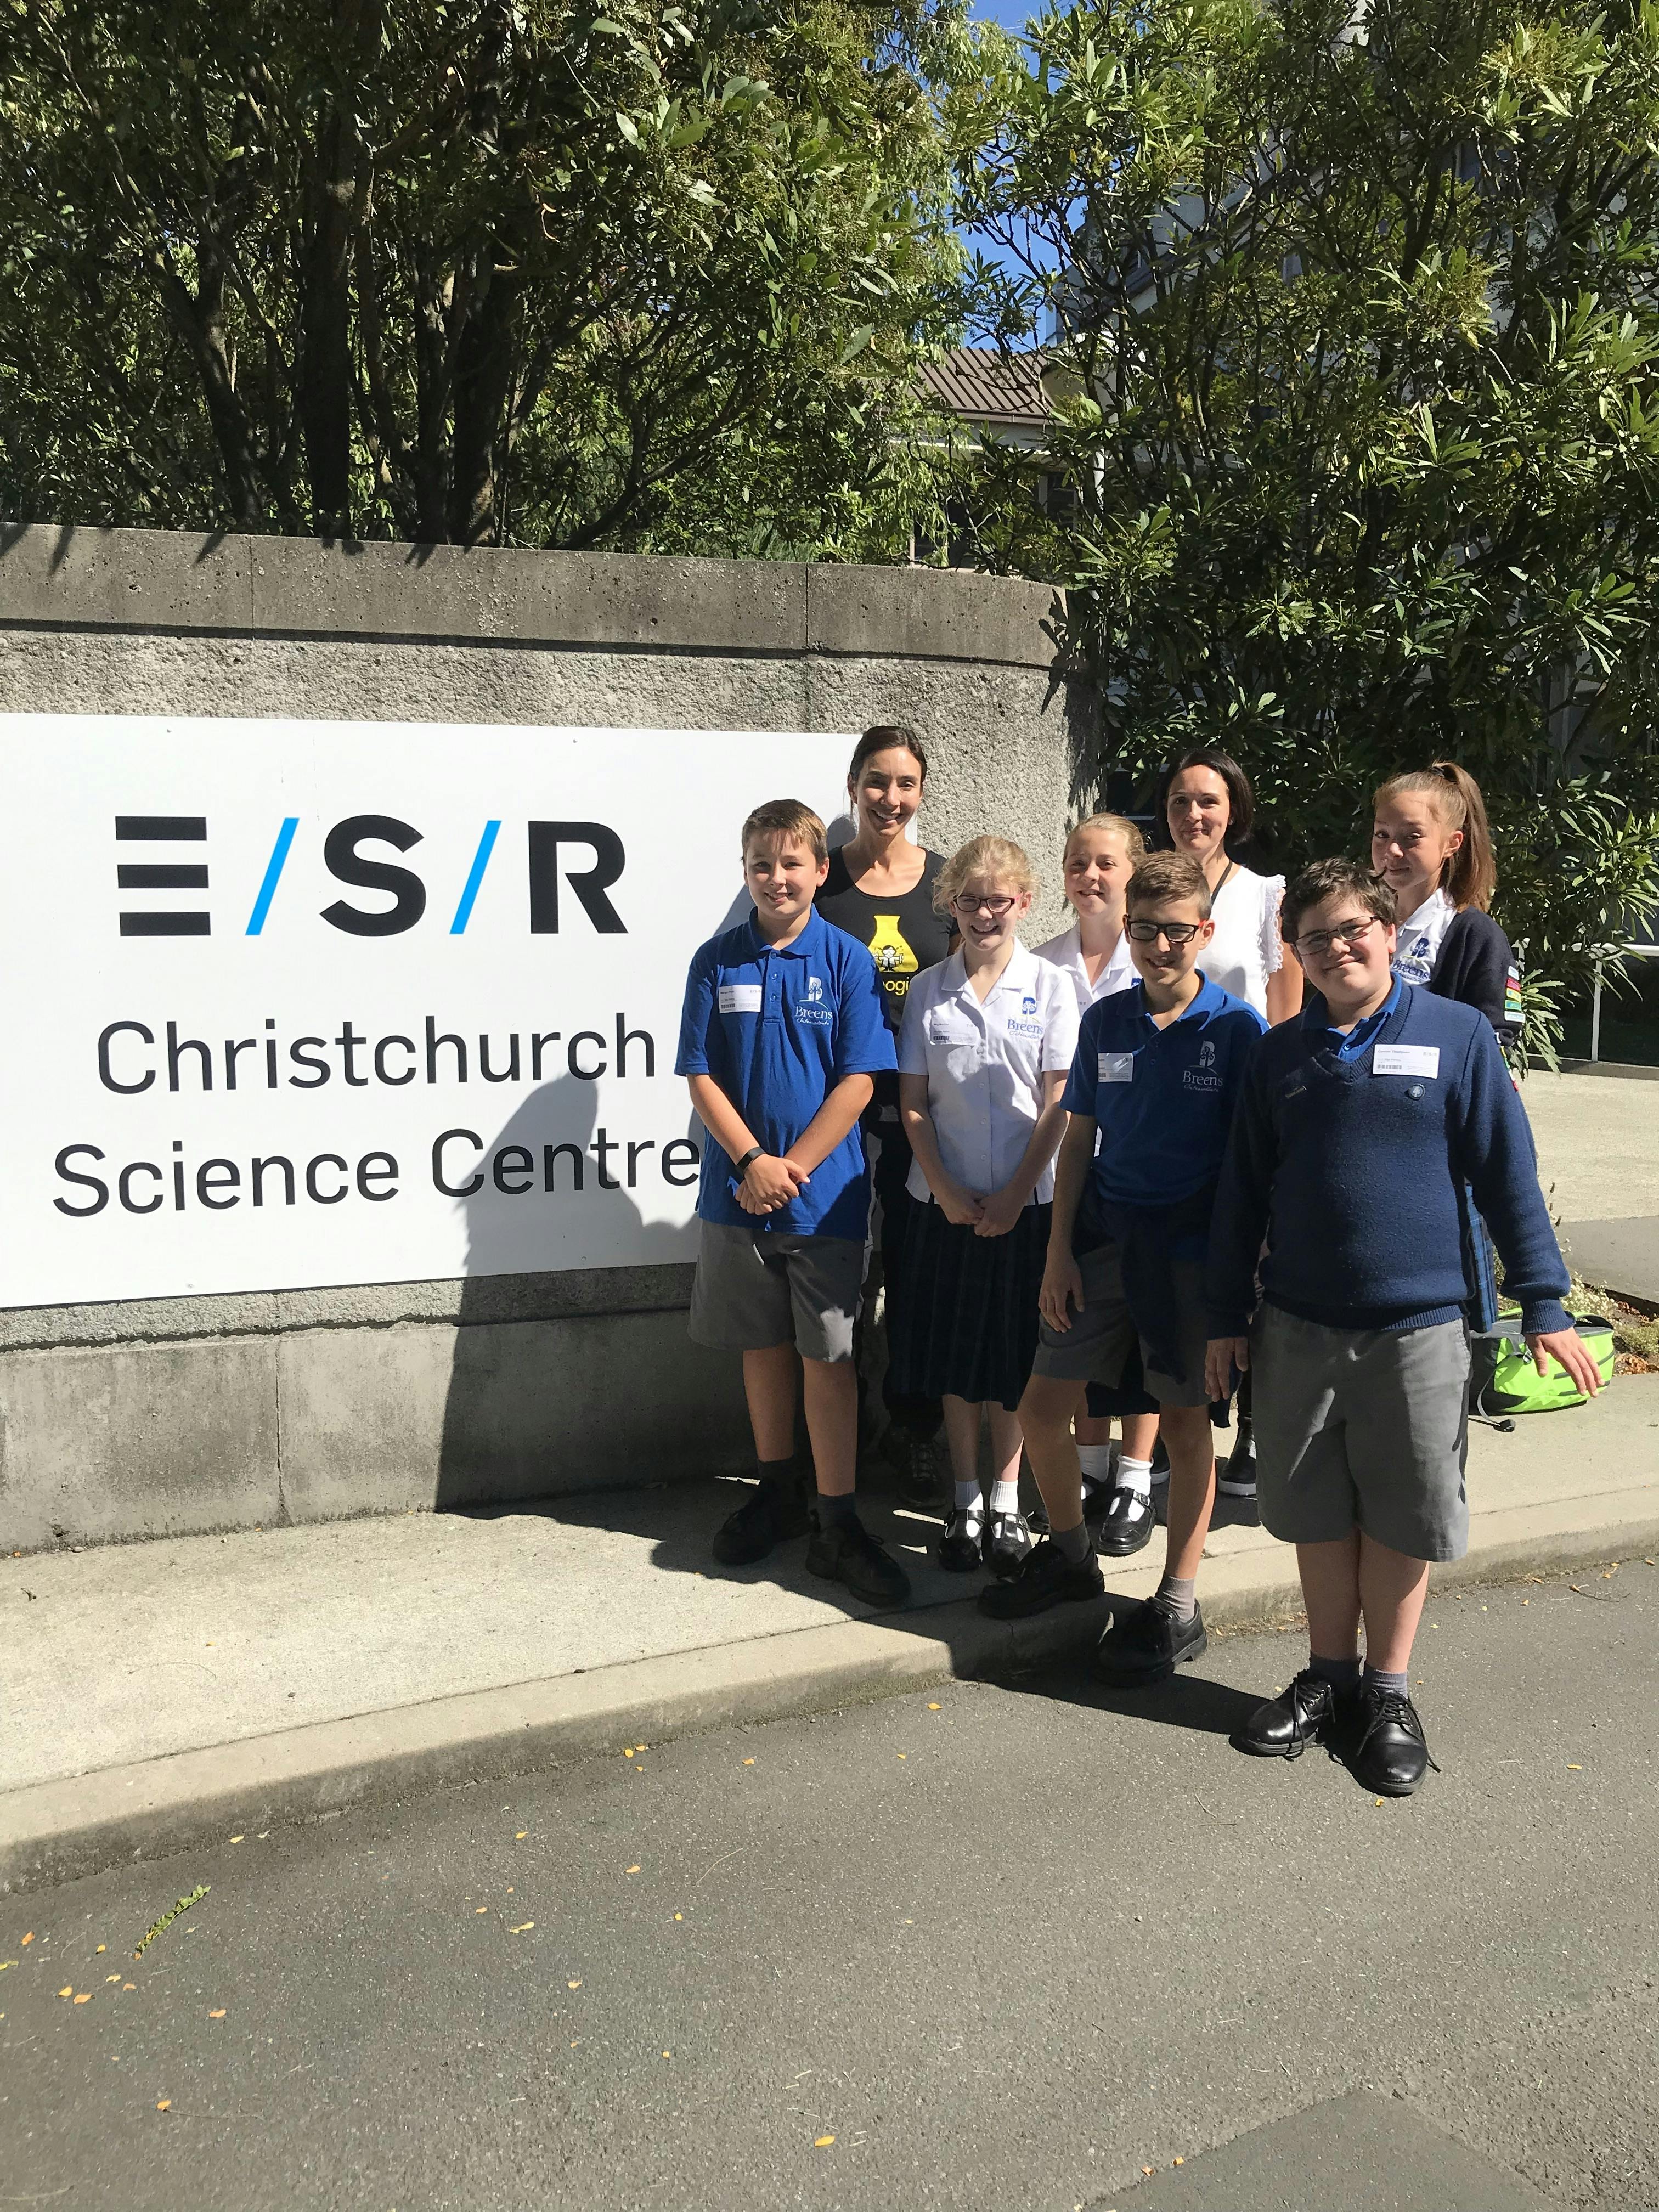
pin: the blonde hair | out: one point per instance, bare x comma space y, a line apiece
998, 858
1468, 875
787, 818
1133, 843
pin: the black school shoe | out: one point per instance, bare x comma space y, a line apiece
1007, 1544
1147, 1646
1046, 1578
957, 1551
919, 1464
1312, 1711
1235, 1477
1127, 1525
767, 1518
1390, 1756
848, 1553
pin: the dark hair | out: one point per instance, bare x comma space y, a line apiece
1169, 876
1241, 800
886, 737
787, 818
1335, 879
1470, 875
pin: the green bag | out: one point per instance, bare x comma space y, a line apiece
1503, 1380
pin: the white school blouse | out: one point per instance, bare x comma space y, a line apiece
985, 1065
1066, 953
1421, 936
1246, 948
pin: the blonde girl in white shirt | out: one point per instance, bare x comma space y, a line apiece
1102, 853
984, 1052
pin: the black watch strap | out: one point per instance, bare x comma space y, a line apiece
755, 1152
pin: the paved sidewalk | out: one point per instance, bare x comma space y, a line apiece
155, 1691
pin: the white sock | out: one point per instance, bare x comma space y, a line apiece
1005, 1497
967, 1498
1135, 1474
1096, 1461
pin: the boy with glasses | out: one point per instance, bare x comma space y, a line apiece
1362, 1127
1156, 1071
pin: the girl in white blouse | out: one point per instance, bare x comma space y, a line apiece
1102, 853
984, 1052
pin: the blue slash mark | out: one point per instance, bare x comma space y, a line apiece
256, 921
480, 862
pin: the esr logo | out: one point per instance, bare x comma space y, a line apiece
350, 865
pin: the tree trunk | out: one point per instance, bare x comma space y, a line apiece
483, 378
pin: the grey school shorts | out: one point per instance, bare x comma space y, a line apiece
1362, 1428
755, 1289
1101, 1337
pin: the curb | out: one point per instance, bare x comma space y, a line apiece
55, 1832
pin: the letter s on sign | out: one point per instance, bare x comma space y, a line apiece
347, 865
91, 1182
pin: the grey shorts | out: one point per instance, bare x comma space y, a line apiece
1097, 1345
752, 1291
1362, 1428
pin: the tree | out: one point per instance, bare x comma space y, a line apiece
1355, 332
467, 271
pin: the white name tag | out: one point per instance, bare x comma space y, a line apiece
740, 998
1405, 1060
1115, 1067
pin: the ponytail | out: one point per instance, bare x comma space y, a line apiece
1471, 872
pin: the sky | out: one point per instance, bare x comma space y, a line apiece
1013, 15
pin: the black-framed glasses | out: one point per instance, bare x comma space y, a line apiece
1319, 942
996, 907
1174, 933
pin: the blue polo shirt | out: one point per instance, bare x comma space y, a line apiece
1161, 1098
777, 1027
1315, 1018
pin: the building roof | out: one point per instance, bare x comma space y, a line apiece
983, 386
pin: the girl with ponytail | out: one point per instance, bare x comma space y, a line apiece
1430, 844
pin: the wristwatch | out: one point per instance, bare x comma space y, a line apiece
755, 1152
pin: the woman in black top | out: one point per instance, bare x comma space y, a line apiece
880, 889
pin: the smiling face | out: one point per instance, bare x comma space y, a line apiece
782, 873
886, 793
1097, 871
1162, 965
984, 931
1411, 845
1198, 811
1354, 974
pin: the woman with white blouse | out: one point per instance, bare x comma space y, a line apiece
1208, 806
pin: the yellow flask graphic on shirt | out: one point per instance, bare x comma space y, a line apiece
895, 963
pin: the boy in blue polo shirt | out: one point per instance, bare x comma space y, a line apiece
782, 1030
1363, 1127
1157, 1069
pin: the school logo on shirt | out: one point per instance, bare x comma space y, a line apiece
1413, 959
813, 1008
1028, 1005
895, 963
814, 989
1204, 1076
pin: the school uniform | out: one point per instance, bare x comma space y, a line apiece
1161, 1100
967, 1321
1355, 1157
777, 1027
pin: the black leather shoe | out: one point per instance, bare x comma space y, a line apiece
1046, 1578
1007, 1544
1147, 1646
1312, 1711
767, 1518
919, 1464
1235, 1477
1127, 1525
959, 1550
848, 1553
1390, 1757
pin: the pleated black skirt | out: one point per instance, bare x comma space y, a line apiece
967, 1319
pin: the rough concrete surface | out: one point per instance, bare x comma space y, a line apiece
976, 1947
1598, 1145
489, 1643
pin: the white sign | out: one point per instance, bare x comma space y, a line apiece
296, 1003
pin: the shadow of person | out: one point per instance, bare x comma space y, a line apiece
543, 1396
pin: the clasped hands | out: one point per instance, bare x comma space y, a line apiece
769, 1183
993, 1214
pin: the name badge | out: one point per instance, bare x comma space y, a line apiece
1405, 1060
1115, 1067
740, 998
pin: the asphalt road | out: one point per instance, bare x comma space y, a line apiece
998, 1947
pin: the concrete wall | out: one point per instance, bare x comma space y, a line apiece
207, 1412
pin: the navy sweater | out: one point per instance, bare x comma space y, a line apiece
1357, 1180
